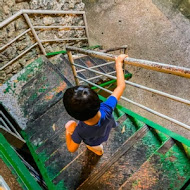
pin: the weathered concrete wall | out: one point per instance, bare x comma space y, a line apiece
9, 7
155, 30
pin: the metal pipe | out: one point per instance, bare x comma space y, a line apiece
10, 124
66, 39
141, 106
10, 19
139, 86
34, 33
73, 67
4, 124
18, 56
27, 11
9, 43
160, 67
116, 48
108, 63
98, 76
59, 27
86, 27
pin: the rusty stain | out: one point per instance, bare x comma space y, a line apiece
48, 97
57, 89
89, 64
148, 172
171, 158
61, 87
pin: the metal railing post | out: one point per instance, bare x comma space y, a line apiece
73, 67
86, 27
34, 33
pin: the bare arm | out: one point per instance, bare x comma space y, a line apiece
71, 145
120, 76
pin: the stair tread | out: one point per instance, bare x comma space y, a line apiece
168, 168
127, 164
65, 68
56, 165
42, 91
49, 123
116, 139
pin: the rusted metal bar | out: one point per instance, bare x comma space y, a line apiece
9, 43
73, 67
99, 76
10, 124
104, 64
115, 49
160, 67
86, 27
59, 27
34, 33
139, 86
28, 11
66, 39
10, 19
20, 55
141, 106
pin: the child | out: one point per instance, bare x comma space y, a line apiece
95, 118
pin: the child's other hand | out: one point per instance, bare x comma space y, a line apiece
120, 58
70, 127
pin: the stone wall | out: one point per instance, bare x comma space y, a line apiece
9, 7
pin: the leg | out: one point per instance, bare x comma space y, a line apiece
96, 149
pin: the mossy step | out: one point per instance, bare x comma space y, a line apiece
59, 159
168, 168
130, 161
88, 162
64, 67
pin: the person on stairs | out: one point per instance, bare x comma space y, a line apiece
95, 118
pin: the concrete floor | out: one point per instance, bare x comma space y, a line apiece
154, 30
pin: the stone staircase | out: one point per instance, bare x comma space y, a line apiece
138, 155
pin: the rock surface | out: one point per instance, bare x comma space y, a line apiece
10, 7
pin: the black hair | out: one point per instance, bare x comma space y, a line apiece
81, 102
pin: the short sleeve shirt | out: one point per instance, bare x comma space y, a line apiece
94, 135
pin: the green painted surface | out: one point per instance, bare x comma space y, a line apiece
176, 165
40, 164
152, 140
8, 155
156, 126
24, 75
64, 51
166, 168
152, 124
127, 76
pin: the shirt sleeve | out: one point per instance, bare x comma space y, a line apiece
110, 104
76, 137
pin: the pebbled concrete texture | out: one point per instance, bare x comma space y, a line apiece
154, 30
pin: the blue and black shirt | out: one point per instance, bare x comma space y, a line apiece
94, 135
